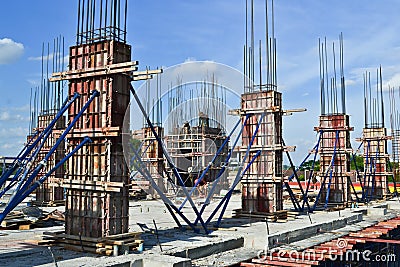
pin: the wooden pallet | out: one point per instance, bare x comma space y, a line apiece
16, 220
279, 216
111, 245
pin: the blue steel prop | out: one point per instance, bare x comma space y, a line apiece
328, 171
211, 163
295, 174
25, 183
23, 155
167, 156
27, 168
43, 163
22, 195
228, 157
292, 196
239, 175
17, 162
229, 194
315, 149
139, 165
358, 176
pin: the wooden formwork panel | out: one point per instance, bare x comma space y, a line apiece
151, 148
262, 183
335, 138
97, 178
97, 213
375, 176
98, 54
262, 197
375, 146
101, 160
333, 122
266, 168
262, 99
97, 189
107, 110
269, 132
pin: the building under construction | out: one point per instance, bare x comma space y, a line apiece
185, 146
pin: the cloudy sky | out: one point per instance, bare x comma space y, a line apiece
169, 32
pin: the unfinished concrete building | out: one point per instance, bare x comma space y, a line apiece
196, 131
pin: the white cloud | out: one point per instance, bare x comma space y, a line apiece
10, 51
4, 116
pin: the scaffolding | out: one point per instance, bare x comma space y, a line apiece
192, 149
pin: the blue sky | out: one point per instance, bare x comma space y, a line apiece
165, 33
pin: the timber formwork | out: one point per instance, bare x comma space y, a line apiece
51, 190
262, 183
335, 149
375, 176
193, 148
97, 180
153, 158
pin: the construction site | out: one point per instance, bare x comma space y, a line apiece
125, 165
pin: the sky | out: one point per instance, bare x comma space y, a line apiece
170, 32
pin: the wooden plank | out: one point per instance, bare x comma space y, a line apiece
83, 238
119, 236
24, 227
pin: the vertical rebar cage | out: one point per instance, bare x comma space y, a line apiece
262, 182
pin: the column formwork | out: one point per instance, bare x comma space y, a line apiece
97, 178
375, 176
335, 149
262, 189
153, 157
51, 190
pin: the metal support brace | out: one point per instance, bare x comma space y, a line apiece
168, 158
239, 173
213, 188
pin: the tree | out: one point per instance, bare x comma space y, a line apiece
359, 162
309, 164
